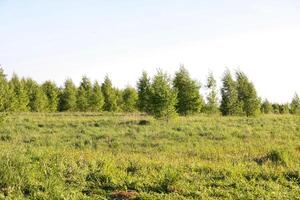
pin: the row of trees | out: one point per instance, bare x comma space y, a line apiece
159, 96
276, 108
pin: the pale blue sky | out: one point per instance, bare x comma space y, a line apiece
58, 39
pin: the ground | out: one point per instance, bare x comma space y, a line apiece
131, 156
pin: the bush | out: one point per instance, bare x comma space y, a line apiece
277, 157
144, 122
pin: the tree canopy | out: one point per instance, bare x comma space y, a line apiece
189, 99
162, 96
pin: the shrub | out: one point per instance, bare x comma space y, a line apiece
144, 122
277, 157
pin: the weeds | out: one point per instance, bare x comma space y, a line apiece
92, 156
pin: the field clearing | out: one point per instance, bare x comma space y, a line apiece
110, 156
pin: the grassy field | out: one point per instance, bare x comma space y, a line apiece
106, 156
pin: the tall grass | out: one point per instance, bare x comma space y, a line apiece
116, 156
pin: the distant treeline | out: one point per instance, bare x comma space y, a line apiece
159, 96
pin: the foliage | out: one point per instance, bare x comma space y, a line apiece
276, 108
119, 99
230, 104
188, 96
158, 96
91, 156
3, 117
37, 98
239, 96
67, 100
247, 95
162, 96
4, 92
84, 95
18, 99
212, 105
51, 91
130, 97
284, 108
110, 95
266, 107
143, 89
295, 105
96, 99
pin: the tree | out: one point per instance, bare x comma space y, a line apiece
247, 94
84, 95
51, 91
162, 96
4, 92
109, 94
276, 108
212, 106
37, 97
230, 104
266, 107
12, 95
18, 98
96, 99
67, 100
284, 108
295, 105
129, 96
188, 96
143, 89
119, 99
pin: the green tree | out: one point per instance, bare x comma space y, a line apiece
162, 96
130, 97
247, 95
188, 96
96, 99
4, 92
266, 107
143, 89
284, 108
37, 97
212, 106
276, 108
51, 91
119, 97
19, 98
295, 105
67, 100
84, 95
12, 95
110, 96
230, 104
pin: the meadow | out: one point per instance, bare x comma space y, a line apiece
134, 156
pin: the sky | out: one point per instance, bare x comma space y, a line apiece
60, 39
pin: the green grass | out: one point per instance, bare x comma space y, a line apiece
106, 156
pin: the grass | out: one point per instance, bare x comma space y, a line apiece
118, 156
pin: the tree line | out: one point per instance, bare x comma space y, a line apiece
160, 96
